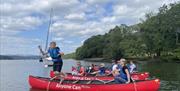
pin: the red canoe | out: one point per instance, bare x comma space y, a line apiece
43, 83
135, 76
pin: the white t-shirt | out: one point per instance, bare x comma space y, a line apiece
132, 68
114, 67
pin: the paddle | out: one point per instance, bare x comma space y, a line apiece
97, 80
44, 57
43, 54
41, 51
135, 88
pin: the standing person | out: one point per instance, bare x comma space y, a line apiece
55, 53
132, 67
122, 74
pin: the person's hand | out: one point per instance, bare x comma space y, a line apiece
49, 59
61, 53
117, 72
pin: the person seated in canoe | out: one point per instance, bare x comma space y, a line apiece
73, 70
101, 71
132, 67
55, 53
80, 70
114, 66
121, 74
91, 69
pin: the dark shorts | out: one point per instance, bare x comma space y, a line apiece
57, 66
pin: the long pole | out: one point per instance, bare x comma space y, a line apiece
49, 28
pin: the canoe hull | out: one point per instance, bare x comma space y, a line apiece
41, 83
135, 76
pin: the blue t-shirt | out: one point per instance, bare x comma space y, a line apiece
54, 53
102, 70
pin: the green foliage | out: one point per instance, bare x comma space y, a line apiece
93, 47
159, 31
69, 56
154, 37
177, 53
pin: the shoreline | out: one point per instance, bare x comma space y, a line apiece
134, 59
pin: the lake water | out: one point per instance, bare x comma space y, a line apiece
14, 73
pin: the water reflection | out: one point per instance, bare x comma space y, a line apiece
31, 89
14, 73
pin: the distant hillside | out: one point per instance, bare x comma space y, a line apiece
15, 57
154, 37
69, 56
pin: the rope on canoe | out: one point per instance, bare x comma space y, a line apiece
47, 89
57, 75
135, 86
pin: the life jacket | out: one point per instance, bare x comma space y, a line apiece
102, 70
119, 67
128, 65
81, 70
54, 53
122, 73
95, 68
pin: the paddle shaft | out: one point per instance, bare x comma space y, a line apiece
135, 88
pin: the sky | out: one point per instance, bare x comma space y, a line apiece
24, 23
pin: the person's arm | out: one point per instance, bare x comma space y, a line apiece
131, 69
135, 67
113, 73
60, 52
128, 75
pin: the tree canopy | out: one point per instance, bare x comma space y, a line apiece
156, 36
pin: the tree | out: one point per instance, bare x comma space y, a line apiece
153, 37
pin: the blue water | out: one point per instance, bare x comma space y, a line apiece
14, 73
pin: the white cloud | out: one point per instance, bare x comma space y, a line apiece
121, 9
109, 19
12, 25
76, 16
130, 12
18, 45
73, 20
58, 39
97, 1
71, 29
30, 6
20, 23
66, 26
68, 42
